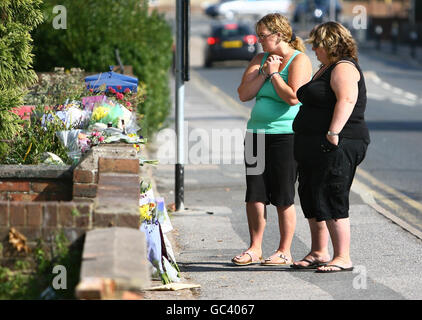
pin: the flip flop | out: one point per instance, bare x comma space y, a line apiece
254, 259
342, 269
311, 264
271, 262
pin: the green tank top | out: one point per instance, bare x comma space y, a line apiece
270, 112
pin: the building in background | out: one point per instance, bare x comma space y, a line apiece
380, 8
398, 19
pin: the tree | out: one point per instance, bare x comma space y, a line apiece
18, 18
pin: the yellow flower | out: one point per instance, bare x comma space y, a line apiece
144, 212
99, 113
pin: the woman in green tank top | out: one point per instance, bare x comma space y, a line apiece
272, 77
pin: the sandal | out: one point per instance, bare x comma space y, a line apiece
277, 259
339, 269
253, 258
311, 264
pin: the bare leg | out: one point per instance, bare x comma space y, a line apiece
319, 243
340, 236
287, 226
257, 219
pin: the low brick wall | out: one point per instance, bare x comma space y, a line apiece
104, 190
35, 183
35, 190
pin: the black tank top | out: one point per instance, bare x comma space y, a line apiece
318, 102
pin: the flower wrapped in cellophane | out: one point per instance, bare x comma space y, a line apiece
160, 252
69, 139
107, 112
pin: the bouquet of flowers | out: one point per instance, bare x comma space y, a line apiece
69, 139
87, 141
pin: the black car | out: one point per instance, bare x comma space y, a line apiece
230, 41
315, 10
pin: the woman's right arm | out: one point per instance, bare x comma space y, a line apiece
252, 81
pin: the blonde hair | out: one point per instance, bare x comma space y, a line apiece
336, 39
277, 23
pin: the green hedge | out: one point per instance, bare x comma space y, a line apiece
17, 19
95, 28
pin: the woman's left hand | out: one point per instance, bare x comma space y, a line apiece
332, 139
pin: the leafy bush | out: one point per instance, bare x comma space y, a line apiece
56, 88
95, 29
18, 18
36, 139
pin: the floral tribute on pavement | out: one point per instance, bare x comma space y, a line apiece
155, 223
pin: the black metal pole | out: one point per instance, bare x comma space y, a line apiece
186, 38
180, 186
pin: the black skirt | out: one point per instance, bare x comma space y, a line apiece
271, 169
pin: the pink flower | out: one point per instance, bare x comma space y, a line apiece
119, 96
127, 90
119, 87
91, 90
101, 139
128, 104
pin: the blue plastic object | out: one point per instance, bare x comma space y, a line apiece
113, 80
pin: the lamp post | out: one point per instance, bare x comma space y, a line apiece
182, 75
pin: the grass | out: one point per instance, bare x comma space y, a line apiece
22, 283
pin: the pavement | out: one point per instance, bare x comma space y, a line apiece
212, 229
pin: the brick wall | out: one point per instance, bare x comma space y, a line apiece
27, 189
84, 184
41, 221
104, 192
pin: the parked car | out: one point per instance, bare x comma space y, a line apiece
230, 9
315, 11
230, 41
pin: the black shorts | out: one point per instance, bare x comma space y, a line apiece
326, 174
275, 182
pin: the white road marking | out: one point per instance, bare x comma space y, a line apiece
394, 94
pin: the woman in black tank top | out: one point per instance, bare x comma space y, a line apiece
331, 138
